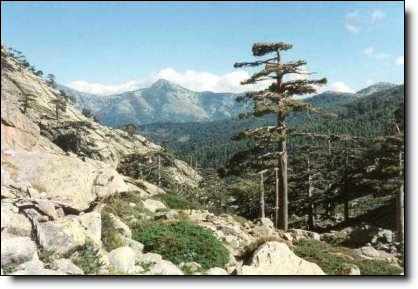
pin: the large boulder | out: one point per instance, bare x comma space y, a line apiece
215, 271
92, 223
33, 265
67, 267
149, 258
181, 173
138, 247
383, 236
64, 179
151, 189
164, 267
38, 271
61, 236
14, 223
17, 250
122, 260
298, 234
119, 226
274, 258
265, 222
153, 205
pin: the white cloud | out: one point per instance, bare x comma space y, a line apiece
377, 15
104, 89
340, 86
400, 61
205, 81
190, 79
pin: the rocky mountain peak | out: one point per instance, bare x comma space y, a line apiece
163, 84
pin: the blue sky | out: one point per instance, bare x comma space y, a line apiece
114, 46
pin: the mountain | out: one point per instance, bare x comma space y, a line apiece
167, 102
163, 101
377, 87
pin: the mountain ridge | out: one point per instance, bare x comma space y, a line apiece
165, 101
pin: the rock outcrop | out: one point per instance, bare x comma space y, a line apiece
274, 258
122, 260
57, 172
17, 250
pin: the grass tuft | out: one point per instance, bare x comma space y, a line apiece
332, 259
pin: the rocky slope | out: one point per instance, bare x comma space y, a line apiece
56, 172
69, 208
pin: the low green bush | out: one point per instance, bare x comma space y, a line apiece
183, 242
331, 259
374, 267
316, 252
8, 269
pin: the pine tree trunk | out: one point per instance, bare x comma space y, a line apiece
400, 223
281, 124
283, 222
346, 202
311, 221
400, 215
262, 206
276, 207
346, 210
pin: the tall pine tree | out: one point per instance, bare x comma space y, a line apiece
277, 99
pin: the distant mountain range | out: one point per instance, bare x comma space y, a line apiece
166, 102
163, 101
210, 142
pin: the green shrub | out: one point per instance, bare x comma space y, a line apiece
324, 255
374, 267
8, 269
316, 252
184, 242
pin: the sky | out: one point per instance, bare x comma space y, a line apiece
111, 47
